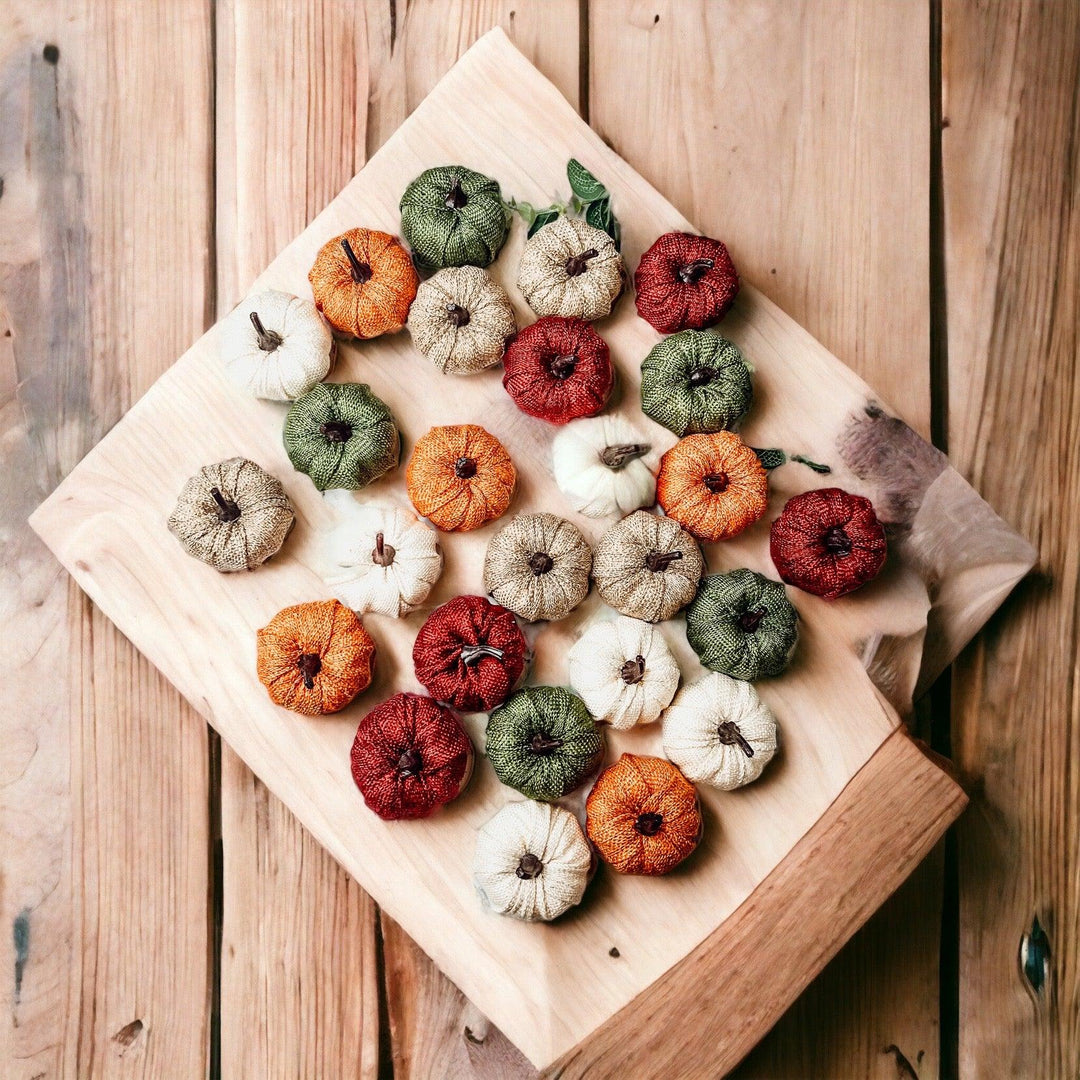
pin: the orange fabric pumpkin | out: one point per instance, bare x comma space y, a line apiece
714, 486
315, 658
460, 477
643, 815
364, 282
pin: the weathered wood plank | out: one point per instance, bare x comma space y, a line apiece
105, 769
1012, 214
774, 126
299, 964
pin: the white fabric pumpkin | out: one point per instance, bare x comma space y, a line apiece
532, 861
290, 354
624, 671
719, 732
604, 466
379, 558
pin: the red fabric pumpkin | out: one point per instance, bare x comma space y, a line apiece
827, 542
410, 756
558, 369
470, 653
685, 282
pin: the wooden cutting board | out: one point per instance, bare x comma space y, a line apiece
838, 819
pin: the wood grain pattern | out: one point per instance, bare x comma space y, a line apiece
105, 785
1011, 74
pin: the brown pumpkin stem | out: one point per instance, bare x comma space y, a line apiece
336, 431
310, 664
562, 367
269, 340
410, 762
659, 561
730, 735
615, 457
540, 562
383, 555
457, 315
700, 376
226, 510
361, 271
455, 198
576, 265
648, 824
633, 671
749, 621
694, 271
716, 482
470, 654
529, 867
837, 542
544, 744
465, 468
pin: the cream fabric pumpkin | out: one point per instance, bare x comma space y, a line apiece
282, 352
718, 731
624, 672
604, 466
532, 861
570, 269
379, 558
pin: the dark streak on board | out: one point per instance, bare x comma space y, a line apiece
20, 933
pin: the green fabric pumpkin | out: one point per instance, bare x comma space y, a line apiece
341, 435
742, 624
452, 216
695, 382
543, 742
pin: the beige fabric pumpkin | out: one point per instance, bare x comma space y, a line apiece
568, 268
647, 567
460, 320
276, 346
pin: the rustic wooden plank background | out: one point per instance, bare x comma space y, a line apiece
901, 176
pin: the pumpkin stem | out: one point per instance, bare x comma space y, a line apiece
226, 510
577, 264
648, 824
615, 457
730, 735
716, 482
457, 315
310, 664
455, 198
837, 542
633, 671
659, 561
749, 621
269, 340
562, 367
543, 744
361, 271
701, 376
529, 867
410, 762
465, 468
383, 555
470, 654
694, 271
336, 431
540, 562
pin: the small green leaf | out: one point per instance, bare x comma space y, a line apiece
598, 214
585, 186
770, 459
544, 217
823, 469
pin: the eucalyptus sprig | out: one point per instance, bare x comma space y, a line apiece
589, 198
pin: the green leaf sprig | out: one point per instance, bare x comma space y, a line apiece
589, 198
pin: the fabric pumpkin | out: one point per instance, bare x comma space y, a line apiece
685, 282
460, 477
543, 742
742, 624
461, 319
624, 672
276, 346
695, 381
643, 815
410, 756
380, 558
315, 658
363, 282
828, 542
341, 435
470, 653
232, 515
647, 567
719, 732
452, 216
568, 268
558, 370
604, 466
538, 567
532, 861
713, 485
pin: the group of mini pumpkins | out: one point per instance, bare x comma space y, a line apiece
411, 754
